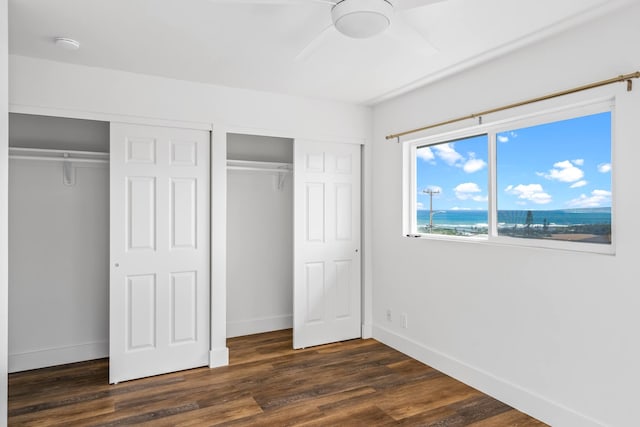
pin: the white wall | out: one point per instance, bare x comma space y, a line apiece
58, 264
4, 190
259, 253
78, 89
259, 238
30, 131
51, 88
553, 333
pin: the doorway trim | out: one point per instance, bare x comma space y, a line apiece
219, 352
218, 355
219, 218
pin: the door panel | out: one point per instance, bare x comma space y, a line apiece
159, 277
141, 312
140, 216
184, 307
184, 215
327, 268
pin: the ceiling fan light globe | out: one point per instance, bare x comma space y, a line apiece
362, 18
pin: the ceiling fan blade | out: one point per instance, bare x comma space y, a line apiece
258, 2
315, 43
412, 4
405, 33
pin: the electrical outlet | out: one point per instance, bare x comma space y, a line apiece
404, 320
389, 315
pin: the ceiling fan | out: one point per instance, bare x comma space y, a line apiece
362, 19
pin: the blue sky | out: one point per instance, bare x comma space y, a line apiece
559, 165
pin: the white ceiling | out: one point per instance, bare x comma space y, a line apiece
257, 44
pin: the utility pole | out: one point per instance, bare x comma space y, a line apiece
430, 192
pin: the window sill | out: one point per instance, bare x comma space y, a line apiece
555, 245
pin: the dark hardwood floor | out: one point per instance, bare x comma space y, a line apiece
353, 383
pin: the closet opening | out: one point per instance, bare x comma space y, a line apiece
259, 234
58, 241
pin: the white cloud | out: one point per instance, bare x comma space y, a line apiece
447, 153
474, 165
578, 162
578, 184
468, 187
530, 192
597, 199
419, 206
506, 138
425, 154
467, 190
564, 171
604, 167
601, 193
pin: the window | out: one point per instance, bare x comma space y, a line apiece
452, 180
538, 181
554, 180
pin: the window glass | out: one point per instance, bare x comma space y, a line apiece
554, 180
451, 185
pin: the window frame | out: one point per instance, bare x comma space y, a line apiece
491, 129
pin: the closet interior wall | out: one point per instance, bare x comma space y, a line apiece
259, 234
58, 241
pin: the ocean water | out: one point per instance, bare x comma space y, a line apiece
476, 218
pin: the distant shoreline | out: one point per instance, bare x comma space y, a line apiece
588, 233
547, 219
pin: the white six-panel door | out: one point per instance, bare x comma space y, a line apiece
159, 274
327, 288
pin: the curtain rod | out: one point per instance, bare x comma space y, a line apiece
622, 78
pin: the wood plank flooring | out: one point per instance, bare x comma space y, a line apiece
353, 383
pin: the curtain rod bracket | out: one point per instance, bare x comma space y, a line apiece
629, 85
479, 120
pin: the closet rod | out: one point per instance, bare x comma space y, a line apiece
58, 159
58, 155
255, 166
257, 169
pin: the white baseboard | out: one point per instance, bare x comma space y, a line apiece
58, 356
258, 326
367, 331
524, 400
219, 357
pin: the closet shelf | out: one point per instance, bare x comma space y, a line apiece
58, 155
249, 165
